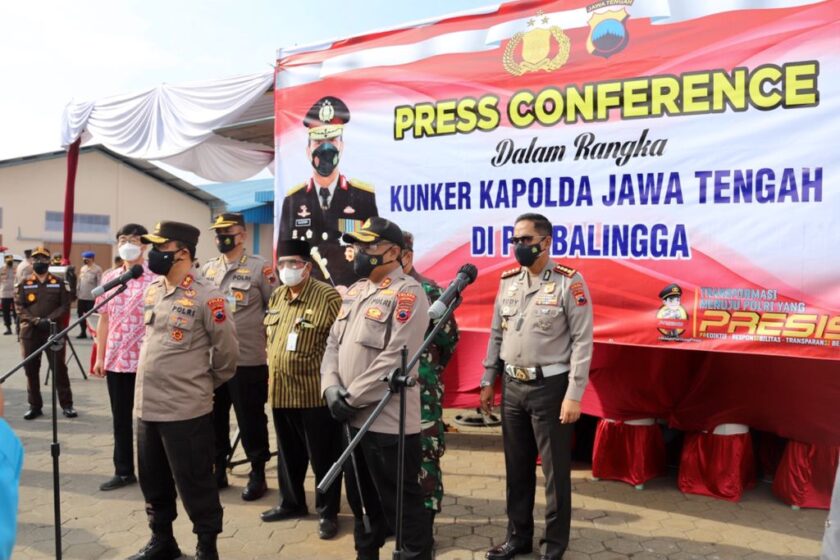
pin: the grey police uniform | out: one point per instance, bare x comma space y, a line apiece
247, 284
189, 348
541, 343
374, 323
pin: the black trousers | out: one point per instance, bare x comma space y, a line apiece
247, 390
121, 395
304, 436
33, 369
179, 455
82, 307
376, 457
8, 305
531, 424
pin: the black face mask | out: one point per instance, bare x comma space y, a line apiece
363, 264
160, 262
226, 242
40, 267
526, 255
325, 159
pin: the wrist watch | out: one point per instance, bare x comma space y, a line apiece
484, 383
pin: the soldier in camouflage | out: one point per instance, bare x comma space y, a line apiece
432, 363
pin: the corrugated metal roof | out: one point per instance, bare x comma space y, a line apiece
240, 195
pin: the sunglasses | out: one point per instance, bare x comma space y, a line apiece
525, 239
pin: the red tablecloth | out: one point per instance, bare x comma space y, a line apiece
693, 391
805, 477
717, 465
631, 454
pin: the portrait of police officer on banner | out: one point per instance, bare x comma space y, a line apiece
328, 204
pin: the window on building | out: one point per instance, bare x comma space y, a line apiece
82, 223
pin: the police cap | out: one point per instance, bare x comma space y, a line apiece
669, 291
172, 231
375, 229
326, 118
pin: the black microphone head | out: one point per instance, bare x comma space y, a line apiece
137, 271
470, 271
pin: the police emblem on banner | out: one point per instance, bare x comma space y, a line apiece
607, 27
672, 318
541, 47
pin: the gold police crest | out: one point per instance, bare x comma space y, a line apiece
540, 48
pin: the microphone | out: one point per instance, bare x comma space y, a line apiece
466, 276
135, 271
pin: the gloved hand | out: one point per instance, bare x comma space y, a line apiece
42, 324
336, 396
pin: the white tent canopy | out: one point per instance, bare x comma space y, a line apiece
175, 124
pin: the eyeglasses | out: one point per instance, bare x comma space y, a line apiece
294, 265
525, 239
133, 239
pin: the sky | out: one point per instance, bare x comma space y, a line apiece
52, 52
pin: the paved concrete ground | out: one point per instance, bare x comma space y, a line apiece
610, 520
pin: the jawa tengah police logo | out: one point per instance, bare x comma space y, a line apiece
542, 47
672, 316
608, 30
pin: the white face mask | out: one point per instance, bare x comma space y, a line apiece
290, 276
129, 252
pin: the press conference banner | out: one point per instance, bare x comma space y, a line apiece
686, 154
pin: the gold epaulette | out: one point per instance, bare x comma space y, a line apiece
361, 185
565, 270
296, 188
511, 272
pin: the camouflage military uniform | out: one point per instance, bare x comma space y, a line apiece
432, 363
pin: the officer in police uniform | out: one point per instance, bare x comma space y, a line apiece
189, 349
328, 204
541, 346
90, 276
7, 291
379, 315
41, 298
247, 282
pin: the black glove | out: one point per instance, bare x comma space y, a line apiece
41, 324
335, 396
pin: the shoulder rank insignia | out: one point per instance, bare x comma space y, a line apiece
296, 188
511, 272
565, 270
361, 185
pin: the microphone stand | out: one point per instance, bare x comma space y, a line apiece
397, 382
55, 344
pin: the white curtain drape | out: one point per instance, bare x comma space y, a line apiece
174, 124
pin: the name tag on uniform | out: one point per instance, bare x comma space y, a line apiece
291, 342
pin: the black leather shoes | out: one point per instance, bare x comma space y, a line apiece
158, 548
118, 482
206, 548
279, 513
550, 557
508, 550
70, 412
256, 487
32, 414
327, 528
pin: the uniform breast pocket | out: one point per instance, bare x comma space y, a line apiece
179, 330
240, 291
374, 331
270, 323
